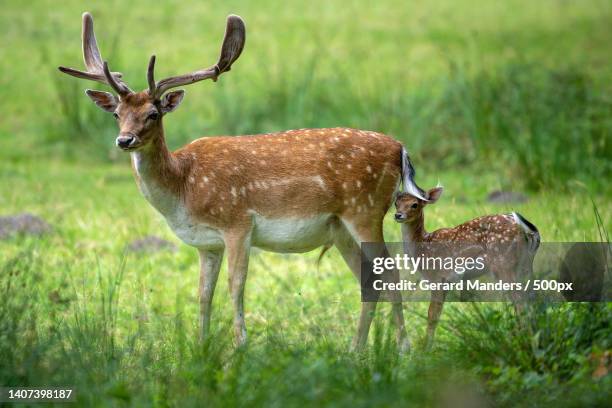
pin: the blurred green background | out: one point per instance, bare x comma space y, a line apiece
486, 96
519, 88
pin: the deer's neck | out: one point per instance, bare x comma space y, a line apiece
414, 232
160, 175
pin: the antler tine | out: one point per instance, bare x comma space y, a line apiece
151, 75
93, 61
91, 53
233, 44
118, 86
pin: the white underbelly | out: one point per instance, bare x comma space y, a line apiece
285, 235
292, 234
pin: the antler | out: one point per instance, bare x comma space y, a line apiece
233, 43
97, 70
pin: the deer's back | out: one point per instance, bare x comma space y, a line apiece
294, 174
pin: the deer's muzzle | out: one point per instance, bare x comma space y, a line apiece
127, 141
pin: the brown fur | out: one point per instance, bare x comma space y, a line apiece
347, 172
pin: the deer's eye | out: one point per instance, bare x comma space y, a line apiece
415, 206
115, 115
153, 116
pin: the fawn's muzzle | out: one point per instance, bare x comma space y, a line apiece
400, 217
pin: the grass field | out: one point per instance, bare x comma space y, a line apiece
486, 95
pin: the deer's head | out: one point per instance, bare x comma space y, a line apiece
409, 208
139, 114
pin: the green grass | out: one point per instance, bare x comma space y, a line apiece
545, 347
485, 95
76, 309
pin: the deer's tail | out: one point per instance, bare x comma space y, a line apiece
409, 185
531, 231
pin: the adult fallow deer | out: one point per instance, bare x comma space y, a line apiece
287, 192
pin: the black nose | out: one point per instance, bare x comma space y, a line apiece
399, 216
125, 141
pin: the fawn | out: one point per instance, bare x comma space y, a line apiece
518, 237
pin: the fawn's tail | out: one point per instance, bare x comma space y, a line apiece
531, 231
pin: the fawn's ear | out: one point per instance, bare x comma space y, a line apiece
434, 194
106, 101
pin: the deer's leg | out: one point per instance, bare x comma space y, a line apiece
210, 263
433, 315
238, 248
376, 235
351, 253
348, 245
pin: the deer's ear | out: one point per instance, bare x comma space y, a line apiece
106, 101
434, 194
171, 100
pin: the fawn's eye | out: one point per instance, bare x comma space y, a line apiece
415, 206
115, 115
153, 116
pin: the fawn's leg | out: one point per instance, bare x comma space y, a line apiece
210, 263
401, 336
433, 315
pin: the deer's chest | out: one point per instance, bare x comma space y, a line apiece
189, 230
184, 226
193, 233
